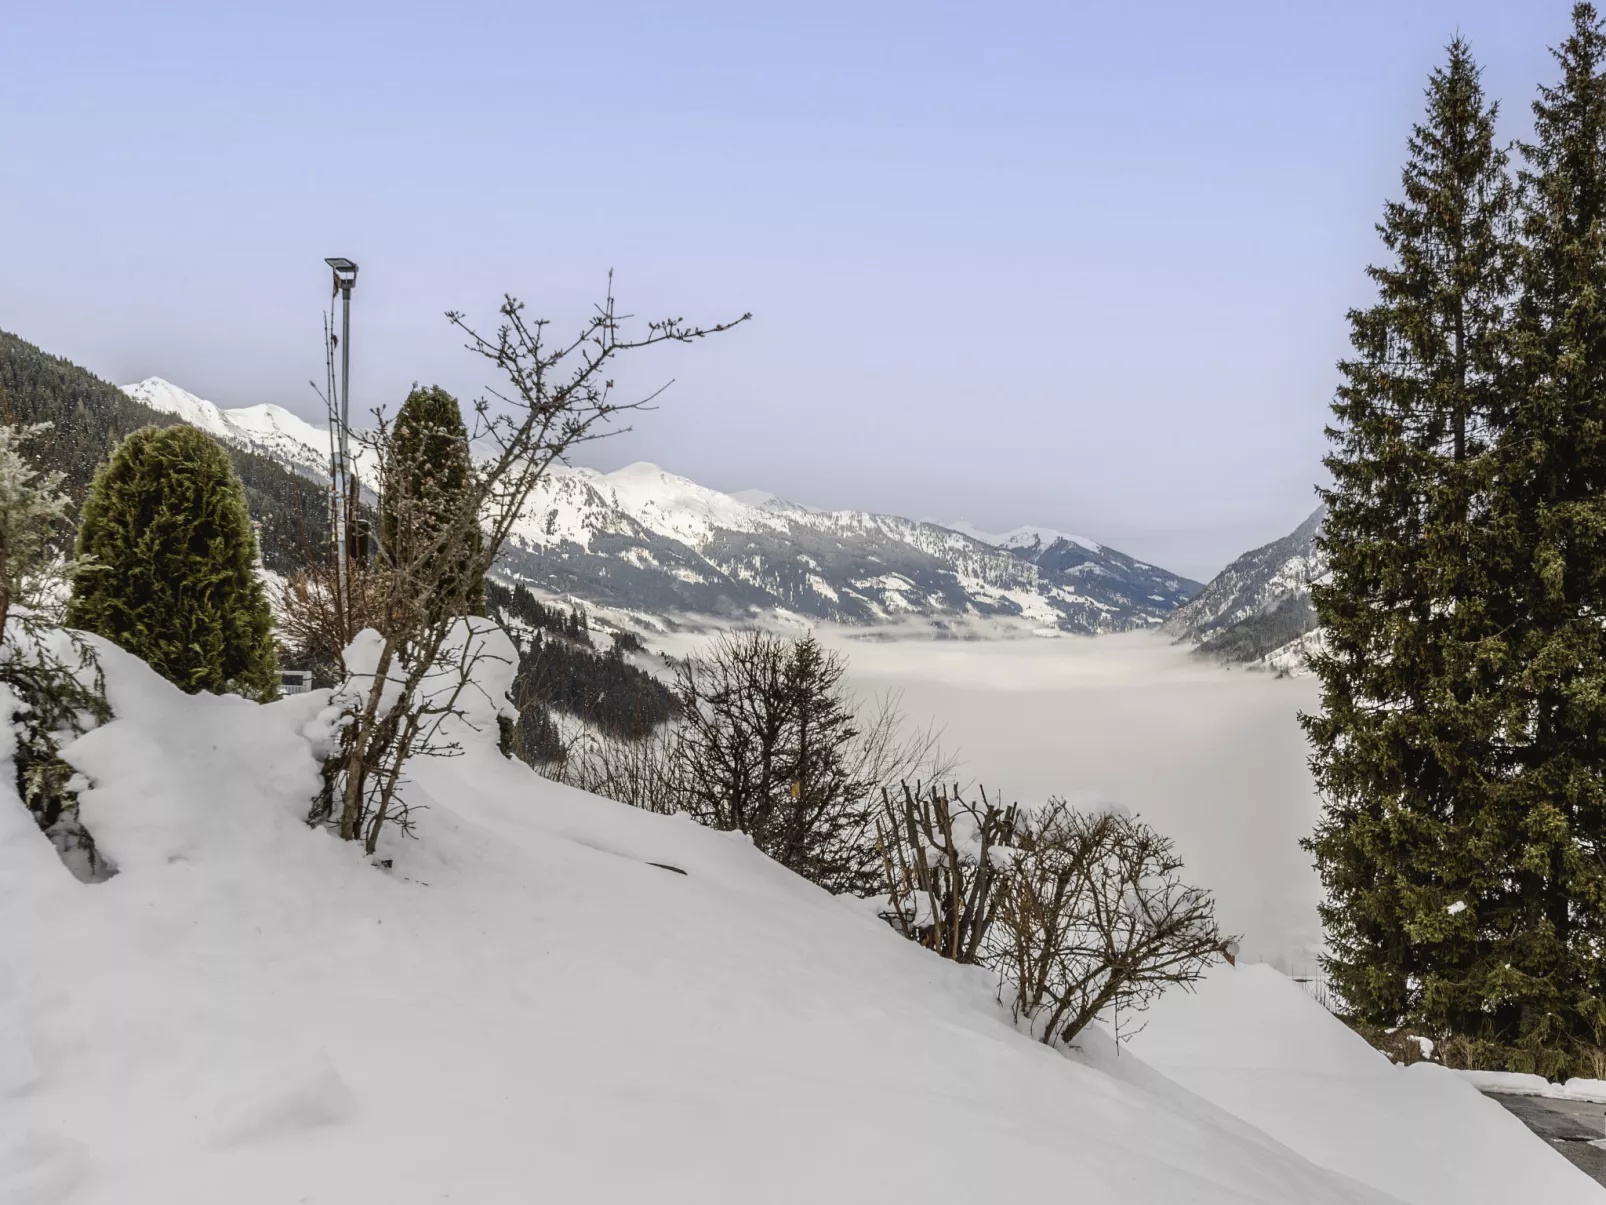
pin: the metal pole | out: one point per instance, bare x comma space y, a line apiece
339, 483
343, 502
345, 374
345, 276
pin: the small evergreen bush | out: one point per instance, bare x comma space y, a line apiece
427, 474
169, 565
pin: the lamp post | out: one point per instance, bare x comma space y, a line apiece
345, 275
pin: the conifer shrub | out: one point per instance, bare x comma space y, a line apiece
427, 475
169, 565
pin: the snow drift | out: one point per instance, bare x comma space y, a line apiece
551, 997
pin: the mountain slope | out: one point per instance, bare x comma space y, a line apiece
268, 430
88, 416
1077, 556
1260, 602
646, 540
526, 1003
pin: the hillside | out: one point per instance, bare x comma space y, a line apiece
645, 540
88, 416
1258, 604
547, 996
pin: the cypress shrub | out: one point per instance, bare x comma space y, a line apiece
427, 473
170, 565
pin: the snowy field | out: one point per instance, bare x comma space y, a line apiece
1214, 758
524, 1008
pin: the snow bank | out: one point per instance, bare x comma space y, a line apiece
1514, 1084
1251, 1042
551, 997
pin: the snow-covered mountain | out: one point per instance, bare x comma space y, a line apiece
1258, 604
269, 430
1027, 538
646, 540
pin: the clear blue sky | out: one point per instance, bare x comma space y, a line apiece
1073, 264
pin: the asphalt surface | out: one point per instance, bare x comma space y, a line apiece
1571, 1126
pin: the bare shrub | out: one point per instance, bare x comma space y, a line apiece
441, 535
1093, 918
312, 620
637, 771
943, 859
1591, 1060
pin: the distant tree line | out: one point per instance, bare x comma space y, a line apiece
518, 603
560, 669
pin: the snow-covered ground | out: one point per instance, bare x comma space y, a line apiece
1252, 1043
1213, 757
525, 1008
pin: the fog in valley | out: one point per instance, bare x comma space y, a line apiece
1213, 757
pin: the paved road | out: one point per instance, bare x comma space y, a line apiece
1568, 1125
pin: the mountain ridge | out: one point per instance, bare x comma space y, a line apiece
644, 539
1258, 608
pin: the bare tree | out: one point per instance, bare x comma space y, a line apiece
768, 741
771, 742
890, 751
1094, 918
445, 539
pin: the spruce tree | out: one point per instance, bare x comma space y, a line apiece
1401, 746
426, 475
1546, 914
168, 565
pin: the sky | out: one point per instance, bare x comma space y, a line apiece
1075, 265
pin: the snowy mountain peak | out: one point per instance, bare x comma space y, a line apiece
181, 403
1027, 539
676, 506
269, 430
762, 499
1032, 538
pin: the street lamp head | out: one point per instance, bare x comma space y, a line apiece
345, 273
